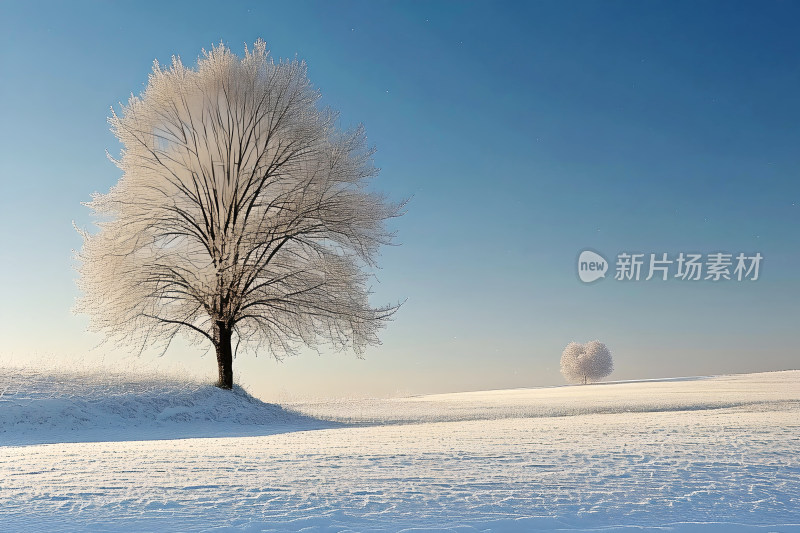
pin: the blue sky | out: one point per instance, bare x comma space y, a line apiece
524, 133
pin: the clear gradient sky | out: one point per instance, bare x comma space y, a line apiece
525, 133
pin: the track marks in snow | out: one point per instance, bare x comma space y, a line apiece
720, 469
588, 471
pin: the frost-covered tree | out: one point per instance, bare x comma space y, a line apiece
241, 216
581, 363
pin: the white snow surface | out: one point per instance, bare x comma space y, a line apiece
63, 406
83, 452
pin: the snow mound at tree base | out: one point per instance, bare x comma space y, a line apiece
39, 407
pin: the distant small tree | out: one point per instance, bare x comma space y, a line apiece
586, 362
242, 216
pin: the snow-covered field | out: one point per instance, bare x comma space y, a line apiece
114, 453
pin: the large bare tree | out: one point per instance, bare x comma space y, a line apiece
241, 216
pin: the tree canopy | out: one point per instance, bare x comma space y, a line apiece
581, 363
242, 214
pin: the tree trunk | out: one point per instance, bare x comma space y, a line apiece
224, 356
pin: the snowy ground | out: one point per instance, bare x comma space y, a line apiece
698, 454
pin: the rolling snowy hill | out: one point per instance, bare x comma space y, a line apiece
115, 453
61, 406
